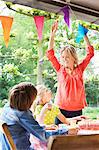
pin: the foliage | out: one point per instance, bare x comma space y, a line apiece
18, 62
30, 11
34, 12
10, 76
92, 91
91, 112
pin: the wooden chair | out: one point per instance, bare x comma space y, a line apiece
77, 142
6, 132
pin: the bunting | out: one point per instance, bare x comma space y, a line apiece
39, 22
66, 15
6, 25
82, 31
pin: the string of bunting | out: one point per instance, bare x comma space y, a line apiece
39, 22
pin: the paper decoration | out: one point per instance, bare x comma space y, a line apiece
39, 22
66, 15
6, 25
82, 31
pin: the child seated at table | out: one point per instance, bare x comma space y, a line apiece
44, 110
21, 123
19, 118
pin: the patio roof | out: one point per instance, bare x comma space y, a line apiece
87, 10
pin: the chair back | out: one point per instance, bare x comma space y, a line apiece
77, 142
6, 132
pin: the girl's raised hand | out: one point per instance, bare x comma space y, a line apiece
53, 31
54, 28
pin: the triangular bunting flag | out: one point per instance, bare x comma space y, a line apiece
6, 25
66, 15
39, 22
82, 31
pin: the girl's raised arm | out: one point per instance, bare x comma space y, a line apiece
90, 54
50, 52
53, 31
87, 40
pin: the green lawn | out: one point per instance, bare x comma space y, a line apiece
92, 112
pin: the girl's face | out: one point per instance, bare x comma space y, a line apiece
47, 96
67, 59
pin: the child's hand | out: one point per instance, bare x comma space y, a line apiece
73, 123
54, 28
48, 106
68, 121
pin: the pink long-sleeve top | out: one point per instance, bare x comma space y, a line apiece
70, 93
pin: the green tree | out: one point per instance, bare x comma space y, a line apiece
24, 52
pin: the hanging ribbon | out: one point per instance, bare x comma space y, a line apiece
82, 31
6, 25
66, 14
39, 22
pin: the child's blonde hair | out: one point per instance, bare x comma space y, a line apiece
41, 89
71, 51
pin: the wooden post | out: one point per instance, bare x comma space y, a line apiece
40, 64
